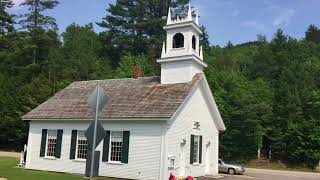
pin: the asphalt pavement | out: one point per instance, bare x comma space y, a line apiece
264, 174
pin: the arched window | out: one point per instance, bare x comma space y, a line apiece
178, 40
194, 42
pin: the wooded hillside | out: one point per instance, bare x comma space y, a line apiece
268, 92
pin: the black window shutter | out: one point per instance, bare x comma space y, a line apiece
73, 144
191, 149
43, 142
59, 143
125, 147
106, 142
200, 150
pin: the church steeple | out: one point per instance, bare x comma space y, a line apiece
181, 56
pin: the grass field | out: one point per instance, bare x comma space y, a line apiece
9, 170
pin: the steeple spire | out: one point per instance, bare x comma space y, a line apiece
197, 18
169, 16
189, 18
163, 52
201, 53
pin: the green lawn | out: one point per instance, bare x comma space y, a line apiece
9, 170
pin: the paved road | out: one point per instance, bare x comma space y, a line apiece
263, 174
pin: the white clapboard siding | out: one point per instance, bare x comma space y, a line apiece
196, 109
144, 150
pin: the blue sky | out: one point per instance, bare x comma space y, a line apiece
237, 21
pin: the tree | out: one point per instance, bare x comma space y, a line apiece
13, 130
81, 51
36, 22
136, 26
204, 39
313, 34
290, 66
229, 45
245, 106
6, 20
129, 62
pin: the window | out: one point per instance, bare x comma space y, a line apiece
196, 149
82, 145
51, 143
116, 146
194, 42
178, 41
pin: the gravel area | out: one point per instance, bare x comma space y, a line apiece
9, 154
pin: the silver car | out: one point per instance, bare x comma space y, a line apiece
230, 168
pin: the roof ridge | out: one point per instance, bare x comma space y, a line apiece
118, 79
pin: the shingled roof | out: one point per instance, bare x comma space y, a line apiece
128, 98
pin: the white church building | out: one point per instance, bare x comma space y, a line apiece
154, 126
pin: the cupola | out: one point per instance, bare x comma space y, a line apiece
181, 56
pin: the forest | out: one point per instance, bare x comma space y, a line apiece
268, 91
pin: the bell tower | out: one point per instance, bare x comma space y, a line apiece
181, 56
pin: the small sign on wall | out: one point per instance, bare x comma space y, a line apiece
196, 125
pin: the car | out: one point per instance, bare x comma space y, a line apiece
230, 168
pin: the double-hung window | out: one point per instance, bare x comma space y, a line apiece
51, 143
82, 145
115, 151
196, 149
116, 147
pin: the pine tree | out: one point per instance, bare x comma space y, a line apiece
6, 20
313, 34
204, 39
129, 62
36, 22
81, 48
135, 26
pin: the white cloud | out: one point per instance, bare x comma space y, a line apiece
235, 13
253, 24
284, 18
282, 15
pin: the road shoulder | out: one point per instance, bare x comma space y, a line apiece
9, 154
